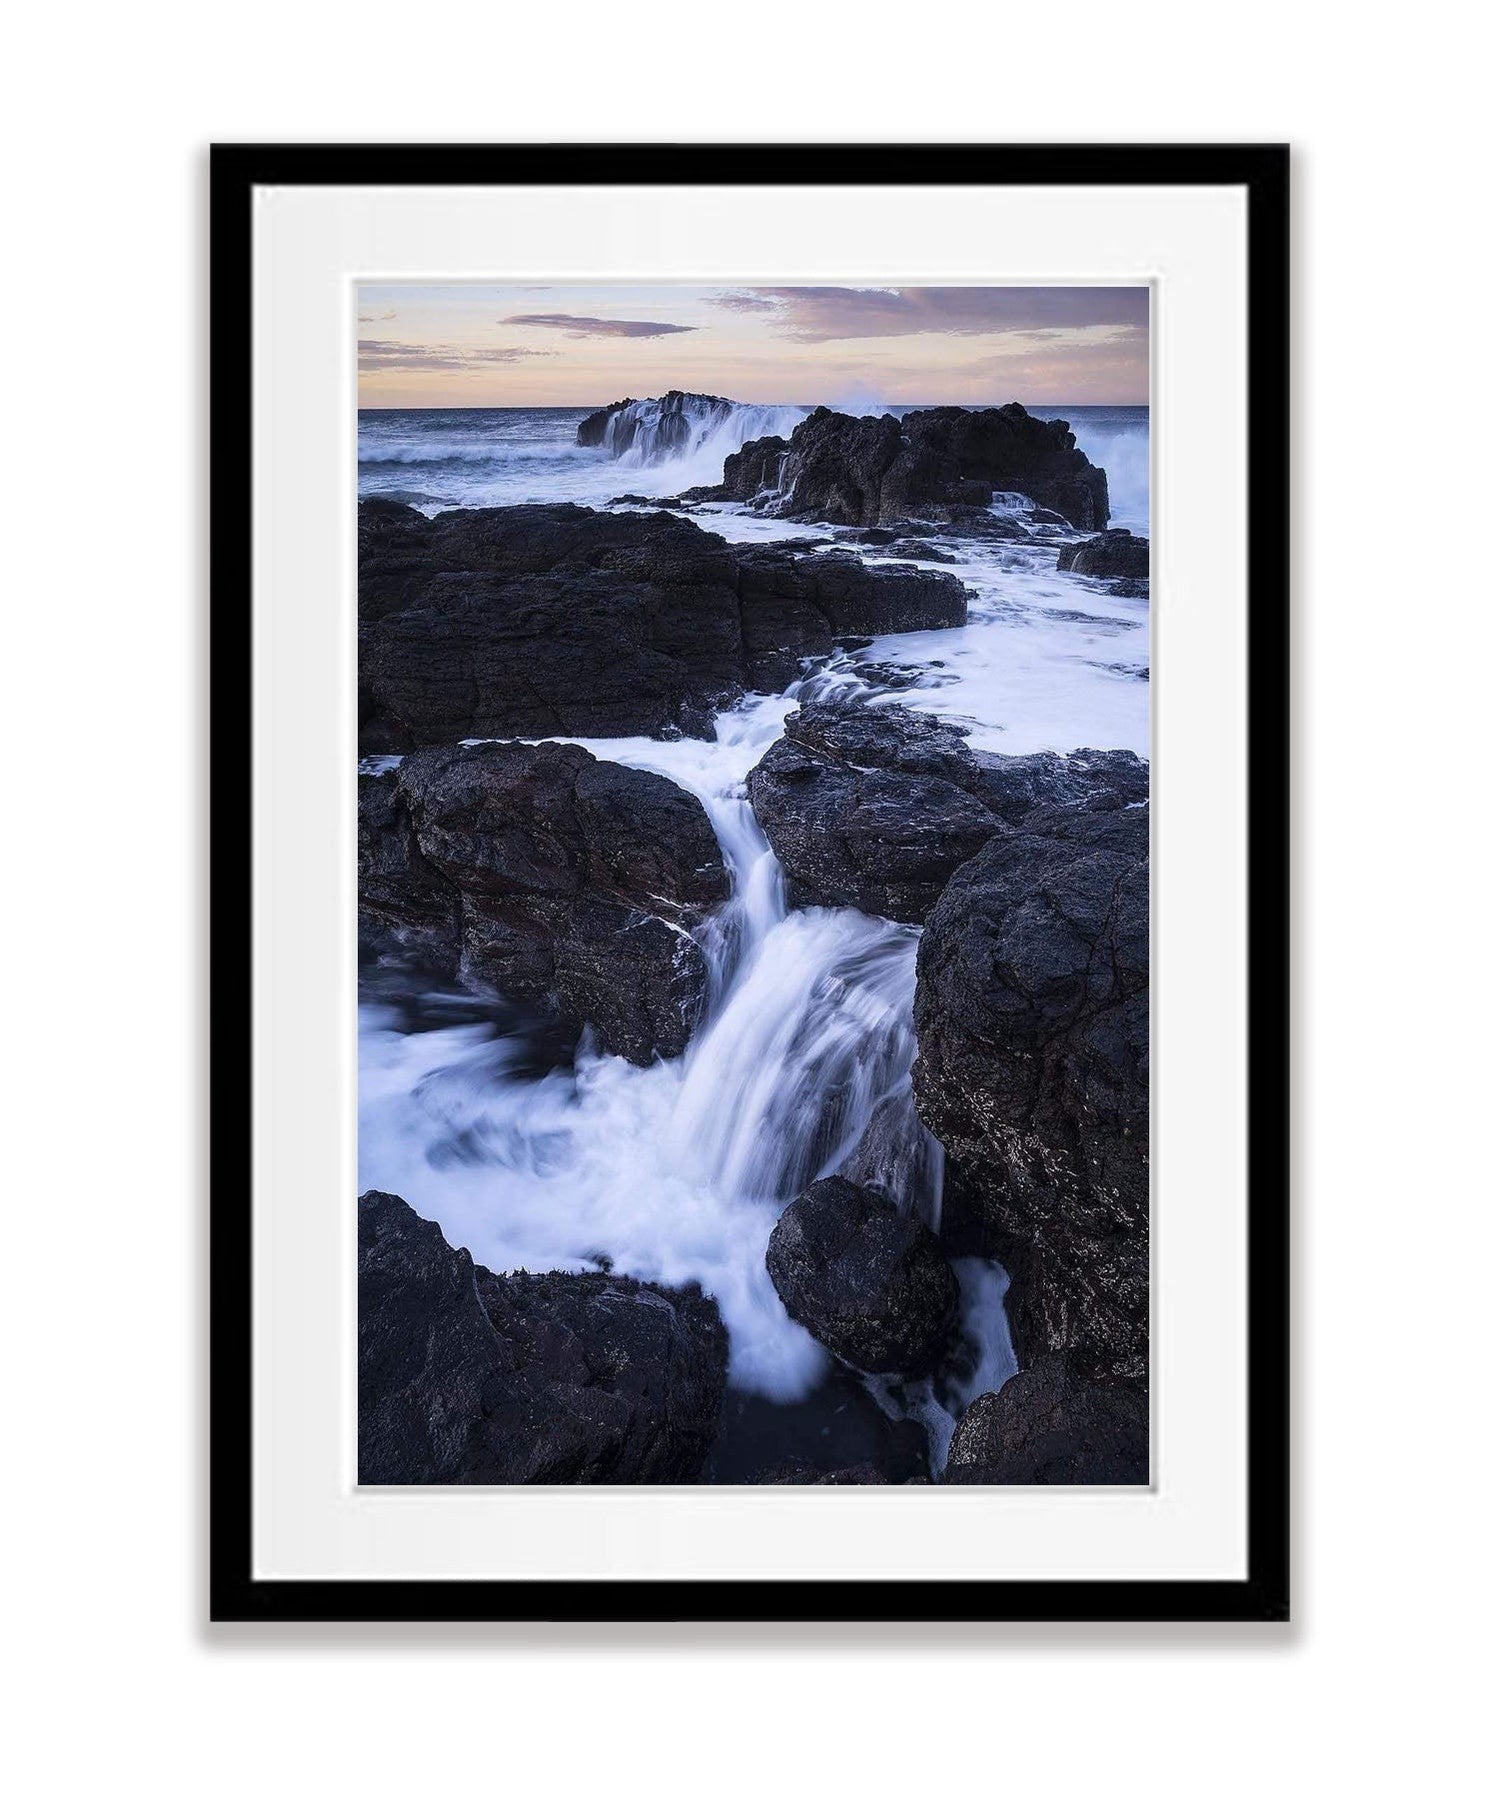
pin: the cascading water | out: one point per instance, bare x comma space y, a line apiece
678, 1171
694, 432
531, 1156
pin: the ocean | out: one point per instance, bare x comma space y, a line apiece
677, 1172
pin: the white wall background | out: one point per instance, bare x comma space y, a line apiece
1378, 1686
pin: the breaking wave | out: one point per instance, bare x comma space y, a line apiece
694, 432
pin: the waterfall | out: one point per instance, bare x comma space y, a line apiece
693, 432
800, 1068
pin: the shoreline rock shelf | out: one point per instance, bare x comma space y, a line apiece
476, 1378
547, 621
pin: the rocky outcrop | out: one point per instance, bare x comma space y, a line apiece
938, 464
1114, 554
868, 1283
475, 1378
876, 807
1033, 1021
1048, 1426
796, 606
556, 621
552, 876
661, 427
406, 907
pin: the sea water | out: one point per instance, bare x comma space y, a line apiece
677, 1172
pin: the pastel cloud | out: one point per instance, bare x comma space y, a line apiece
385, 356
824, 314
579, 325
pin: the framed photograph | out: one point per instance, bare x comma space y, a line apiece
750, 883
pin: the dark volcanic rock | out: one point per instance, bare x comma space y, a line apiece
1047, 1426
916, 549
866, 1282
475, 1378
1114, 554
543, 621
546, 621
1033, 1020
794, 606
869, 807
405, 905
946, 463
876, 806
754, 468
575, 882
670, 420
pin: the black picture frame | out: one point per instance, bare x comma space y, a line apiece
1262, 171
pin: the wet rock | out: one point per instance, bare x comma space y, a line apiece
537, 621
405, 906
575, 882
944, 463
916, 549
1032, 1016
555, 621
877, 806
751, 470
1091, 780
869, 1284
1048, 1426
1113, 554
795, 606
666, 425
475, 1378
869, 807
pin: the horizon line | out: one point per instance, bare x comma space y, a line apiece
909, 405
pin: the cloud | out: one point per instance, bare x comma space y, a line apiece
384, 356
577, 325
746, 300
375, 318
821, 314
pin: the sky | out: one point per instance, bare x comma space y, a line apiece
483, 345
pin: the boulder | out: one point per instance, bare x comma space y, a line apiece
868, 1283
556, 621
474, 1378
877, 806
576, 883
1113, 555
1033, 1024
1048, 1426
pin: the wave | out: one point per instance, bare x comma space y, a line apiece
464, 449
693, 432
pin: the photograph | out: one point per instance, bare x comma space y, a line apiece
754, 769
